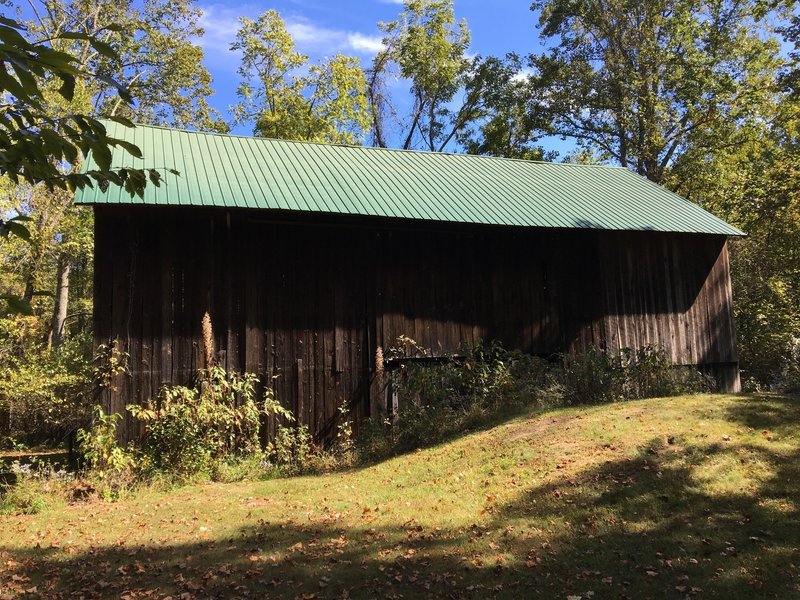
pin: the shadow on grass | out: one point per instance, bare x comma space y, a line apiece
773, 412
654, 525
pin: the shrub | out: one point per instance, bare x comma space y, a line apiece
649, 373
189, 429
459, 392
292, 450
592, 377
44, 393
595, 377
484, 382
110, 466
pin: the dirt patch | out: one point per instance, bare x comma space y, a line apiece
540, 426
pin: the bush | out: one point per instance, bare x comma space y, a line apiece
485, 382
110, 465
595, 377
190, 429
592, 377
292, 450
45, 393
463, 391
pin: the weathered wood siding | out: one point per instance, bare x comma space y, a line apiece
305, 305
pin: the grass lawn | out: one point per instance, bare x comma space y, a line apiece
667, 498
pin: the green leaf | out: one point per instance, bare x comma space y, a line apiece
101, 156
121, 120
132, 149
67, 89
105, 49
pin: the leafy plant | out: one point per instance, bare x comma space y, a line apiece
108, 462
292, 449
485, 381
190, 430
189, 427
46, 394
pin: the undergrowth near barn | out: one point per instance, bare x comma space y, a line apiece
693, 496
211, 430
486, 382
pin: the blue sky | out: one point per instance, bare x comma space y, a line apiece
324, 27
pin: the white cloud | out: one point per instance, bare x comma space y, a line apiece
307, 35
221, 24
393, 1
365, 43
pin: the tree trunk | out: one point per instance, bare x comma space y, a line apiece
62, 300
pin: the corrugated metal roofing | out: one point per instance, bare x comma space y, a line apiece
243, 172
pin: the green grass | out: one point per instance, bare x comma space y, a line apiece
666, 498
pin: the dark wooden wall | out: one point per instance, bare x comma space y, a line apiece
304, 305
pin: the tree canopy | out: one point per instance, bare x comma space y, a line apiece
39, 144
644, 82
287, 98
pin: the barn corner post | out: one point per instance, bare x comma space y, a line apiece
730, 379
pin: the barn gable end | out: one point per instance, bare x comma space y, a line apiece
319, 255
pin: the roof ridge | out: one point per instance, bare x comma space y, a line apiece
370, 148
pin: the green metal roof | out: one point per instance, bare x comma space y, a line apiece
259, 173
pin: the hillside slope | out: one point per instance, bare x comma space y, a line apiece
663, 498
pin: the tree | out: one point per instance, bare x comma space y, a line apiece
149, 49
426, 46
755, 184
509, 122
288, 98
643, 81
37, 145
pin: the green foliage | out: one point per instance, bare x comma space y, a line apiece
46, 394
151, 50
438, 400
292, 450
655, 85
595, 377
345, 442
35, 140
428, 48
188, 429
509, 123
289, 99
591, 377
109, 463
755, 185
485, 382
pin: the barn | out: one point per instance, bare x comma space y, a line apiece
309, 257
